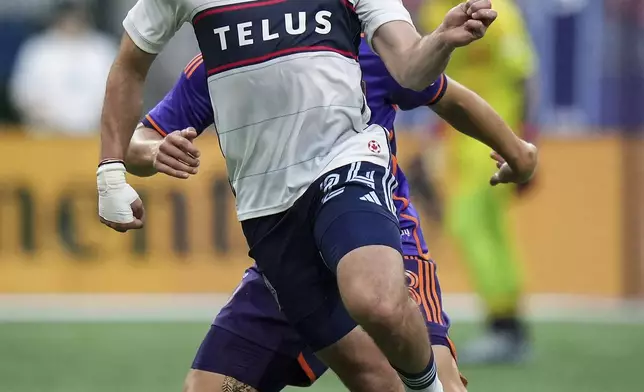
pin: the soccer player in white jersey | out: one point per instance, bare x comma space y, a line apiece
288, 107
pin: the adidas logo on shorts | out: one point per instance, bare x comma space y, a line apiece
371, 197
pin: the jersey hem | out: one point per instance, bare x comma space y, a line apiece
258, 213
337, 163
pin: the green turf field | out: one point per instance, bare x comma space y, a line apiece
125, 357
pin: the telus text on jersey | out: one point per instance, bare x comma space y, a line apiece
247, 32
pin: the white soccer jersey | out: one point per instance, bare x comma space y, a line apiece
284, 83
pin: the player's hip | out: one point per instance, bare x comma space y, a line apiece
272, 188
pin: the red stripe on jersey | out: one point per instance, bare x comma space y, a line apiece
235, 7
349, 5
273, 55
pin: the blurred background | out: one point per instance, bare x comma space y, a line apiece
83, 308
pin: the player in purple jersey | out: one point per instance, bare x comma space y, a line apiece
251, 344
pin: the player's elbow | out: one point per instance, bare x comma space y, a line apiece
138, 164
139, 170
410, 81
415, 78
140, 155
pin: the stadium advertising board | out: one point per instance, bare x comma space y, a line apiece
51, 240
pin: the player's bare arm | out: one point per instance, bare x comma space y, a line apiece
415, 61
119, 205
174, 155
141, 153
123, 98
473, 116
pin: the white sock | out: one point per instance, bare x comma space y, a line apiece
436, 386
427, 381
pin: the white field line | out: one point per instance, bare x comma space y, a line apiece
203, 307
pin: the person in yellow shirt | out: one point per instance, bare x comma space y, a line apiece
497, 68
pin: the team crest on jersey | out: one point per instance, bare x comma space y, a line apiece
374, 147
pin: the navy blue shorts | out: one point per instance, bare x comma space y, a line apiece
298, 250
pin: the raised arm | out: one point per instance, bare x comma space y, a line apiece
415, 61
472, 115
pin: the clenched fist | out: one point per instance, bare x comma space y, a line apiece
177, 156
119, 206
518, 172
467, 22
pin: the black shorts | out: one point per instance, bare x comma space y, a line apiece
298, 250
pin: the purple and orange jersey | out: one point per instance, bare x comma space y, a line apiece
188, 105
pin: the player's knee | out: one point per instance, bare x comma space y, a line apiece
360, 364
381, 311
373, 308
372, 284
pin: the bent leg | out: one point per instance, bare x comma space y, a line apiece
358, 235
371, 281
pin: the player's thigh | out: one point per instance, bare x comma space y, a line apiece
371, 282
358, 235
348, 210
202, 381
284, 248
360, 364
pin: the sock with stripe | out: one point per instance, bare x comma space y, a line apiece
425, 381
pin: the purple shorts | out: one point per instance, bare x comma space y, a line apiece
252, 341
266, 370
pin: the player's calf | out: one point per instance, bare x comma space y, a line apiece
360, 365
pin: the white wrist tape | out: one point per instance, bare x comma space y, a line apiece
115, 195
